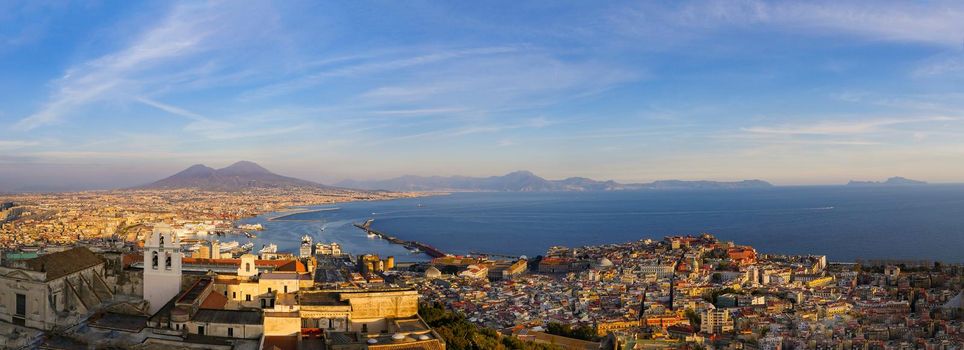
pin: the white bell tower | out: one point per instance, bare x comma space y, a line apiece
162, 267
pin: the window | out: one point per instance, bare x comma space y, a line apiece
200, 330
286, 289
162, 239
167, 261
247, 267
247, 297
154, 264
21, 305
225, 293
230, 332
20, 317
234, 295
264, 303
269, 290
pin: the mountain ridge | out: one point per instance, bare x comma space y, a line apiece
892, 181
239, 176
526, 181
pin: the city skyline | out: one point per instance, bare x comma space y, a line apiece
108, 95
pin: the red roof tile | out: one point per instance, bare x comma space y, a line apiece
214, 301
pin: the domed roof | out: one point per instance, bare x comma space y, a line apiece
604, 262
432, 272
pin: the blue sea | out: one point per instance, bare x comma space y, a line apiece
844, 223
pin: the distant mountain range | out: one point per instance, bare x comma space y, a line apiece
525, 181
236, 177
894, 181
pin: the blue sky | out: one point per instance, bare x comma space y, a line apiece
108, 94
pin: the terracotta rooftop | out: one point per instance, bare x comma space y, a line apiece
214, 301
291, 266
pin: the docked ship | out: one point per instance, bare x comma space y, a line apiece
227, 247
247, 247
269, 248
255, 227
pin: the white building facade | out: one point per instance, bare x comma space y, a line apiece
162, 267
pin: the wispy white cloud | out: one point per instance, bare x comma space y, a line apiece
187, 30
91, 81
7, 145
420, 111
171, 109
243, 127
369, 67
503, 83
531, 123
938, 23
842, 128
941, 66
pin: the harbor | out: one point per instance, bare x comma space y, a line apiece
414, 246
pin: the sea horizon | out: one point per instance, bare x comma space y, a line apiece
846, 223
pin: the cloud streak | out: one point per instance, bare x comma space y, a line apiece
842, 128
166, 53
938, 23
91, 81
366, 68
224, 130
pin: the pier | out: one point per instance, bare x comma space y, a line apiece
425, 248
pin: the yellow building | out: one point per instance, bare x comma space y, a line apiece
351, 319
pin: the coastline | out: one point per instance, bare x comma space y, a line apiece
282, 213
283, 217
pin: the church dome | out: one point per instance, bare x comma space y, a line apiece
432, 272
604, 263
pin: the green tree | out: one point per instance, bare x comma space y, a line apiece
460, 334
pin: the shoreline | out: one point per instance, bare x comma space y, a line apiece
282, 217
280, 214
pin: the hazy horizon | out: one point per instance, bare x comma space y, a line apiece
121, 184
116, 94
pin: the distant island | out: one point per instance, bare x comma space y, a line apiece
525, 181
894, 181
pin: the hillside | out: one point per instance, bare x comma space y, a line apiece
236, 177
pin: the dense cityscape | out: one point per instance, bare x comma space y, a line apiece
146, 270
482, 175
30, 219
